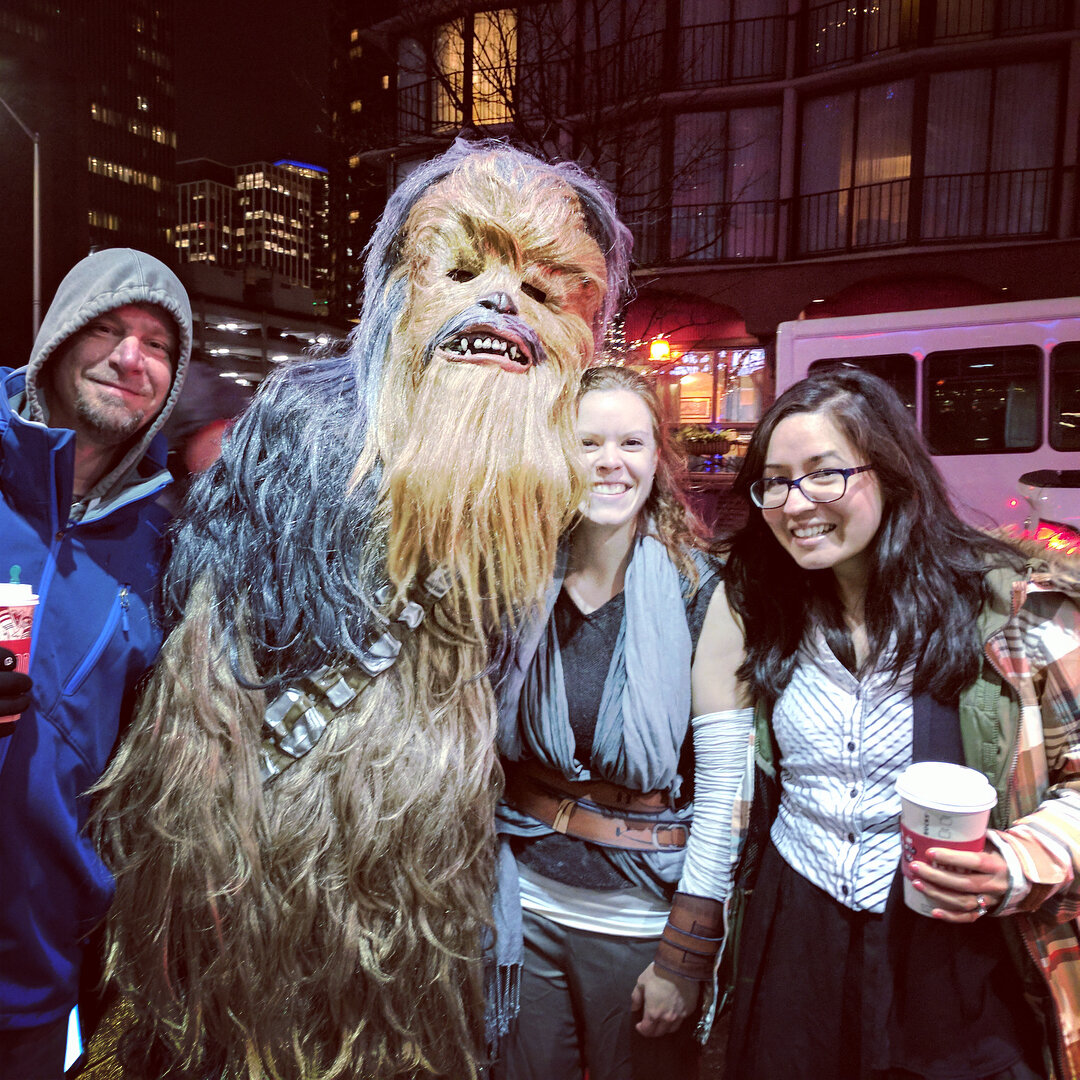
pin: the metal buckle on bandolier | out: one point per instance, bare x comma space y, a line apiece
299, 716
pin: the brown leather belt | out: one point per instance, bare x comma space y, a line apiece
594, 810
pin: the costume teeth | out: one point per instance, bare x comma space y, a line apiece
475, 343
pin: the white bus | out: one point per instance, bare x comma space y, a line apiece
995, 390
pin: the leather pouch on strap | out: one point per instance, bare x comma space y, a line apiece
692, 937
594, 810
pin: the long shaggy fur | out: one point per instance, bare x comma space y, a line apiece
330, 923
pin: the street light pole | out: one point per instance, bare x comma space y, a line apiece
35, 138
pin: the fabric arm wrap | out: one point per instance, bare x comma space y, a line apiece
721, 742
695, 928
692, 937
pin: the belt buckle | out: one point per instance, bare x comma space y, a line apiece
671, 826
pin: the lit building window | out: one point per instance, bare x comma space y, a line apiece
143, 103
355, 106
101, 220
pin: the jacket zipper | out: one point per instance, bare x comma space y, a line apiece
118, 613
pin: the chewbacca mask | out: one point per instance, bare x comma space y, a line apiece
384, 514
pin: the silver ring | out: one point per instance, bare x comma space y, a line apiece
980, 905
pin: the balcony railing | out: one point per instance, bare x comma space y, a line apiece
430, 106
710, 232
724, 232
969, 20
745, 50
846, 31
1016, 202
624, 71
862, 216
985, 205
542, 90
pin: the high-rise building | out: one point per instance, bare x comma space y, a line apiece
205, 227
320, 218
93, 78
251, 243
274, 220
267, 216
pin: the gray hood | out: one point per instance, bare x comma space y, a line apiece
101, 282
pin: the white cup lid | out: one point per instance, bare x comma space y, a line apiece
16, 595
941, 785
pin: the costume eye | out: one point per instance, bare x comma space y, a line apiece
534, 293
460, 274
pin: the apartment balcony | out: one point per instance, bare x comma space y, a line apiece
726, 53
848, 31
991, 205
1012, 204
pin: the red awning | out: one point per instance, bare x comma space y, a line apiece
686, 322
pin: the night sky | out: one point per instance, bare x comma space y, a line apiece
250, 79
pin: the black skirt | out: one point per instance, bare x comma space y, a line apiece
827, 992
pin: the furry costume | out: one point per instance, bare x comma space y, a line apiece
331, 922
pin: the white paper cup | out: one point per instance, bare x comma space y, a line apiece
17, 604
943, 806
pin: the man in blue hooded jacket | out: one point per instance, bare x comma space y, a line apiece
82, 462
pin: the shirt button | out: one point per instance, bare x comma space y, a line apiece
851, 838
851, 746
854, 793
843, 889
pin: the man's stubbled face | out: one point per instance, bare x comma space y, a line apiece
503, 287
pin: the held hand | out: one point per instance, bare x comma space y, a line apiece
14, 686
664, 1000
964, 885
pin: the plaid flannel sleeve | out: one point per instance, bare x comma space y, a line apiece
1042, 847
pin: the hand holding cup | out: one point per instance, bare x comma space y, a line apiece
17, 604
955, 881
14, 690
950, 872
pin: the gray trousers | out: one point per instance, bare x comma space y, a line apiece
575, 1012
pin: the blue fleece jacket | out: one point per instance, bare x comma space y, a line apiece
95, 567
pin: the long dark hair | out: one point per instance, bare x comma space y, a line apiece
927, 567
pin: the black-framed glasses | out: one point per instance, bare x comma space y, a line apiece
819, 486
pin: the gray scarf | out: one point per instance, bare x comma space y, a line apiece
641, 725
645, 707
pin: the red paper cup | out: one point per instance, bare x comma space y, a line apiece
943, 806
17, 604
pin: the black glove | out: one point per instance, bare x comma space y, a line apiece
14, 686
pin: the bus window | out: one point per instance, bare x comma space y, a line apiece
897, 369
982, 401
1065, 396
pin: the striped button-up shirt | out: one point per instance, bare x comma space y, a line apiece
842, 743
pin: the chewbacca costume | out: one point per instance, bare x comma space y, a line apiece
301, 820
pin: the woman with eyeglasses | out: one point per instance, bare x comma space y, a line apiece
878, 628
